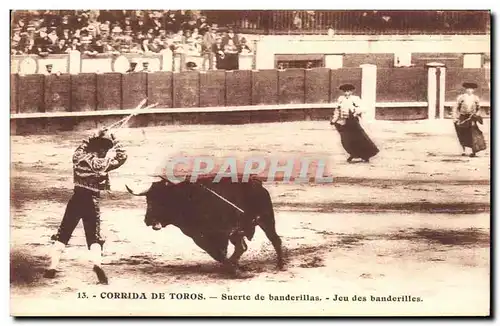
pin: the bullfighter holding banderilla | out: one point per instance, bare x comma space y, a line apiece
92, 161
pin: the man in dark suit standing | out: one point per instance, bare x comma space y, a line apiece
232, 50
220, 56
206, 48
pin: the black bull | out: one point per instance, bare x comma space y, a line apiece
211, 221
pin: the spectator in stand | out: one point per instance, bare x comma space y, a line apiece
17, 42
87, 48
105, 38
141, 26
163, 35
17, 34
140, 37
244, 48
196, 34
21, 24
310, 19
106, 26
27, 42
48, 69
220, 56
77, 33
145, 45
156, 23
151, 34
127, 23
30, 29
24, 42
65, 24
65, 34
297, 21
232, 55
75, 44
206, 48
30, 47
203, 25
178, 41
116, 35
193, 44
127, 40
190, 24
191, 66
15, 48
93, 27
231, 50
52, 37
81, 21
230, 36
171, 22
104, 30
157, 45
61, 47
98, 45
136, 47
42, 42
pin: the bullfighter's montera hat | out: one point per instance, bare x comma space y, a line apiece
469, 85
347, 87
100, 143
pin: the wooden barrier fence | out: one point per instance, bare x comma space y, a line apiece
387, 93
111, 91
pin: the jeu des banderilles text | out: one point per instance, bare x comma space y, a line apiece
406, 298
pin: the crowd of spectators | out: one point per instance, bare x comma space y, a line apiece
190, 32
123, 31
384, 22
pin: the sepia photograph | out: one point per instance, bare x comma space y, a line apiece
266, 163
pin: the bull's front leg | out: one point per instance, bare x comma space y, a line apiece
240, 247
204, 243
220, 255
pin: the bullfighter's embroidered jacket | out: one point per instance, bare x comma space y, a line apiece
344, 106
91, 171
466, 104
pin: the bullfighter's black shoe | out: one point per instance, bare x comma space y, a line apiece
49, 273
350, 159
103, 279
472, 155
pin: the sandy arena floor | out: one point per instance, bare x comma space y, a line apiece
414, 221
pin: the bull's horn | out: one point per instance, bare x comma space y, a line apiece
168, 181
142, 193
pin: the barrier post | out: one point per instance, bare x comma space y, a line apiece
431, 93
75, 62
166, 60
442, 88
369, 90
435, 89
